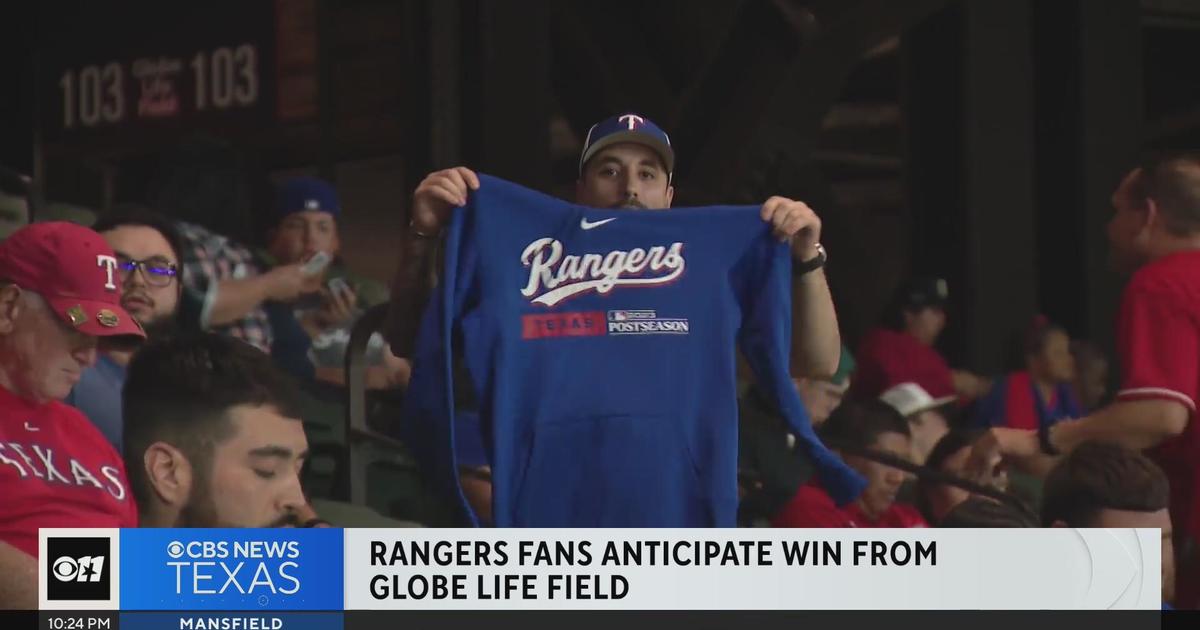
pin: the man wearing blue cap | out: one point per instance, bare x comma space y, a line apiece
627, 162
312, 332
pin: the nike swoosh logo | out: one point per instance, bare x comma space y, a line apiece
588, 225
30, 427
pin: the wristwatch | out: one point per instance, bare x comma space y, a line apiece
412, 229
1044, 442
800, 268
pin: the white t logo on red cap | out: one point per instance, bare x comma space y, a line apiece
110, 265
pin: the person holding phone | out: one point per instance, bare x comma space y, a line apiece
311, 333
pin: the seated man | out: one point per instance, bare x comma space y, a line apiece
59, 295
936, 500
212, 436
147, 249
856, 427
771, 466
905, 344
1105, 485
926, 415
311, 334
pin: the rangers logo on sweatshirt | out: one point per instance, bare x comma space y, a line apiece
554, 277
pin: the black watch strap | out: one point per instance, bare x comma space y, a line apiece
802, 267
1044, 440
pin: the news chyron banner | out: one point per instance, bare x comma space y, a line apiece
301, 579
232, 579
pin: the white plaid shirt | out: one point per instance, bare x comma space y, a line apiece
209, 258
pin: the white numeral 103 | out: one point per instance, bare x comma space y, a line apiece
93, 95
226, 77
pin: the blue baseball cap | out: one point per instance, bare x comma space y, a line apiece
628, 128
307, 193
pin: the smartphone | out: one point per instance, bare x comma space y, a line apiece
338, 285
316, 264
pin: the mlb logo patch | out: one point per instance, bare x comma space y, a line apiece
625, 316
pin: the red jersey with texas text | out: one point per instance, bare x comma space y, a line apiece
56, 470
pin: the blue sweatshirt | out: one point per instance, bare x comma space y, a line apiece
601, 344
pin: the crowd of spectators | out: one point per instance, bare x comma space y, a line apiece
149, 370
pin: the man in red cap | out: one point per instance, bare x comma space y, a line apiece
59, 296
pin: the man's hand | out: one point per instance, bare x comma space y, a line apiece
337, 308
988, 453
398, 370
438, 194
285, 283
970, 386
794, 222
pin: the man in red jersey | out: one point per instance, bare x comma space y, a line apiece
859, 426
60, 295
1154, 232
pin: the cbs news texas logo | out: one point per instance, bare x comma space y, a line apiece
241, 567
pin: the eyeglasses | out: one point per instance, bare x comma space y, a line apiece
157, 271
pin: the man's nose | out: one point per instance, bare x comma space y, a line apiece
135, 277
293, 496
86, 355
629, 184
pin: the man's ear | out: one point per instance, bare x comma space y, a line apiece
1153, 215
169, 473
670, 195
10, 307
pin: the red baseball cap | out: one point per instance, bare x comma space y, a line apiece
75, 271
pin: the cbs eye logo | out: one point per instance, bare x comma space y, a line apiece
78, 569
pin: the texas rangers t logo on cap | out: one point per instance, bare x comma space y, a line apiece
110, 265
634, 120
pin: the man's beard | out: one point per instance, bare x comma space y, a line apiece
160, 328
199, 511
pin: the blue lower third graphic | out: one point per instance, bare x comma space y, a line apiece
231, 621
256, 570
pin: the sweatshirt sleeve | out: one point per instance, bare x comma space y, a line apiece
765, 339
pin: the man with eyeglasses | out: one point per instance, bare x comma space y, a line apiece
147, 252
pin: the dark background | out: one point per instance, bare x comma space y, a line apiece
974, 139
